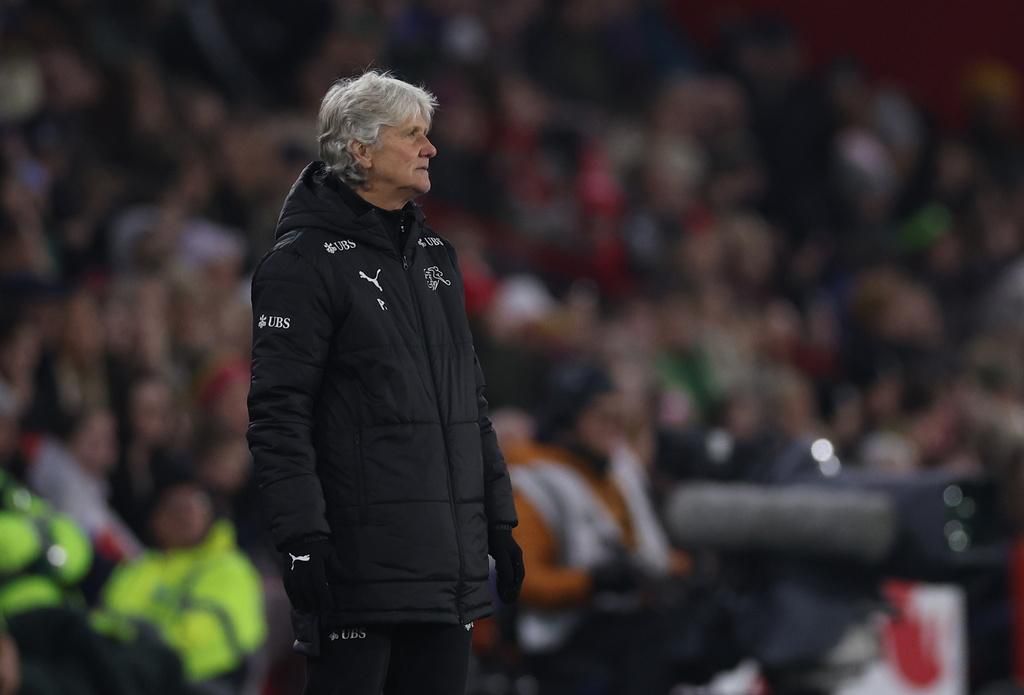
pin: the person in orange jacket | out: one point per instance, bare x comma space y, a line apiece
594, 544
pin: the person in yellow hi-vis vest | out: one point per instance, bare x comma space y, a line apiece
200, 591
43, 554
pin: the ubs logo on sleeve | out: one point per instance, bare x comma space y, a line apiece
274, 321
426, 241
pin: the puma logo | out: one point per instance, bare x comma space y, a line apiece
372, 279
298, 558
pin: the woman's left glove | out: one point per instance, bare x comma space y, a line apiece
508, 561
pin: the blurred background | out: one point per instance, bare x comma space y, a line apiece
790, 234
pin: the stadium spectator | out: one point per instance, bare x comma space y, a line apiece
199, 591
72, 475
593, 543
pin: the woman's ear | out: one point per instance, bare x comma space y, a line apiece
360, 151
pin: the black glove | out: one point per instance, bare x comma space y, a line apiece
307, 567
508, 561
619, 576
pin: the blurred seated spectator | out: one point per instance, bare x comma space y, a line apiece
593, 545
72, 475
223, 466
75, 369
148, 431
195, 587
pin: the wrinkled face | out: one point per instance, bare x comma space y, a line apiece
400, 161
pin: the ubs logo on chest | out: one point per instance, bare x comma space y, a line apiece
335, 246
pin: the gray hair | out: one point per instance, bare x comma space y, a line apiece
354, 109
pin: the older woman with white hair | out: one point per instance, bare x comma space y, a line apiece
381, 475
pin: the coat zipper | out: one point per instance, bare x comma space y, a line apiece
444, 435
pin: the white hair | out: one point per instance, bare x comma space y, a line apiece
354, 109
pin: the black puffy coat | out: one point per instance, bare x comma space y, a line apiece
368, 421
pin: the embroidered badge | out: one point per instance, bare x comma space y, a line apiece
435, 277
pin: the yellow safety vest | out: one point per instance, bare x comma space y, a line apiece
206, 601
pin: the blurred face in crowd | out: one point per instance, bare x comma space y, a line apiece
182, 517
151, 416
397, 168
83, 329
94, 443
19, 353
226, 466
599, 428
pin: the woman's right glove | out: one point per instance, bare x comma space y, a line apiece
307, 569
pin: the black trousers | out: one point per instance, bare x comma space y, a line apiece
404, 659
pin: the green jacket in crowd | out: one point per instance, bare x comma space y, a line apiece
206, 601
43, 554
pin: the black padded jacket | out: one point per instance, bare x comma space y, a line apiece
368, 421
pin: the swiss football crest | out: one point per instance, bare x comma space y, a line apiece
435, 277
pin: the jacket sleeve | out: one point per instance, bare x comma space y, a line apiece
292, 327
498, 502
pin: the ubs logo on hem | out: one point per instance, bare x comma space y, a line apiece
352, 633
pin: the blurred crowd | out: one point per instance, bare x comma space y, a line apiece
751, 248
